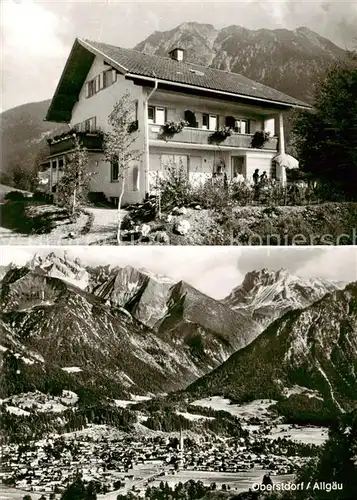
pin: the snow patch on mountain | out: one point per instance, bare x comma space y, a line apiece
193, 417
318, 366
72, 369
252, 409
297, 389
17, 411
157, 277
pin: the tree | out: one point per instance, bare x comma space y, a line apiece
20, 175
72, 189
119, 142
338, 460
336, 465
326, 138
75, 491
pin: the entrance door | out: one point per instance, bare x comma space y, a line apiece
238, 166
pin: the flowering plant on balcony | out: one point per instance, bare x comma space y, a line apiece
133, 126
221, 134
172, 127
260, 138
73, 132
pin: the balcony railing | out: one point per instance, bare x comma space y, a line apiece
199, 136
92, 141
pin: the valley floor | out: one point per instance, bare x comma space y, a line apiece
144, 457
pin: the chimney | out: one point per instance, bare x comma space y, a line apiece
177, 54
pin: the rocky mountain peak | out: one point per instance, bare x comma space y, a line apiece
264, 277
63, 267
267, 294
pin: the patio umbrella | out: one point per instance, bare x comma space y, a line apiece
286, 161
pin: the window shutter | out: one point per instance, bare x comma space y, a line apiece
87, 89
135, 178
114, 76
101, 81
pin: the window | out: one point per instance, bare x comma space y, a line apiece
241, 126
160, 116
190, 117
90, 124
179, 162
230, 122
156, 115
269, 126
114, 170
135, 179
97, 83
136, 110
90, 88
179, 53
107, 78
100, 82
213, 122
205, 121
151, 114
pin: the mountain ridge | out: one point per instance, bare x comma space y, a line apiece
314, 348
272, 57
70, 329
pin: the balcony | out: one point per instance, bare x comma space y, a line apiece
199, 136
64, 143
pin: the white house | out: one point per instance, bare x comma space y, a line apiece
164, 89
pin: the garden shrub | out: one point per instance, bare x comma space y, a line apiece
175, 188
14, 216
213, 194
15, 196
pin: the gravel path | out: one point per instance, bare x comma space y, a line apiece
101, 231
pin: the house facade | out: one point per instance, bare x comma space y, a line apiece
164, 89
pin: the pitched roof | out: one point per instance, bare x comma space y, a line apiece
135, 64
165, 68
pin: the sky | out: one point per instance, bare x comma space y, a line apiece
36, 36
212, 270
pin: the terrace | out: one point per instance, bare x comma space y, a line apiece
92, 141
